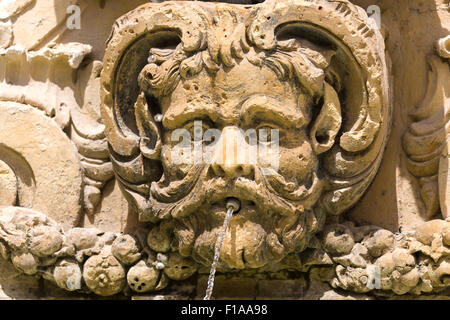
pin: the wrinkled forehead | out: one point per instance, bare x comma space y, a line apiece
222, 95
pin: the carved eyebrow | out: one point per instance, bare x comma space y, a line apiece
177, 119
273, 110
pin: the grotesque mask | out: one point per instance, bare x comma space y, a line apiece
268, 105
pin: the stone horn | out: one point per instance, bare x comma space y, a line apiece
351, 164
132, 37
354, 37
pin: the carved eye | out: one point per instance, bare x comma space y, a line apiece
267, 133
197, 130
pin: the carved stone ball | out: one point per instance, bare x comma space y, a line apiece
387, 267
403, 283
25, 262
44, 241
386, 264
83, 238
440, 274
410, 279
379, 243
125, 249
426, 231
143, 277
104, 274
179, 268
404, 261
67, 275
338, 239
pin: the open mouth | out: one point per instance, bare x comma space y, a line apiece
243, 205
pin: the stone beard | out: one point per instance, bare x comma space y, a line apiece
277, 215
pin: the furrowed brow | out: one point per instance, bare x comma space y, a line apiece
180, 116
268, 108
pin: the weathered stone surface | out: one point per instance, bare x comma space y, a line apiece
125, 249
409, 264
143, 277
8, 185
179, 268
25, 262
67, 275
103, 274
425, 233
6, 35
426, 142
113, 214
9, 9
45, 241
338, 239
444, 182
44, 160
97, 200
247, 74
379, 243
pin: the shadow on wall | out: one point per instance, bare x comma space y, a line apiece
15, 285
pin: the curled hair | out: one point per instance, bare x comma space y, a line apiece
296, 60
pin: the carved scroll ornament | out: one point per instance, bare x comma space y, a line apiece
427, 141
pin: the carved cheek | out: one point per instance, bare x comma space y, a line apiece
298, 162
176, 162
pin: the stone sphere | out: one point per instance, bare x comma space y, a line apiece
338, 239
125, 249
179, 268
410, 279
379, 243
143, 277
386, 264
83, 238
104, 274
426, 232
404, 261
25, 262
67, 275
45, 241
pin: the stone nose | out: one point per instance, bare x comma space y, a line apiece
233, 170
232, 156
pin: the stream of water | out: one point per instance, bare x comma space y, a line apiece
219, 243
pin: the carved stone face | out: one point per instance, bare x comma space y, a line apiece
269, 224
235, 69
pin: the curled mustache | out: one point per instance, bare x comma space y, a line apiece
272, 193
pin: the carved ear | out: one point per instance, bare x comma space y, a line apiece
150, 142
328, 123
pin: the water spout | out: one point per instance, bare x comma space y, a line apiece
233, 205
